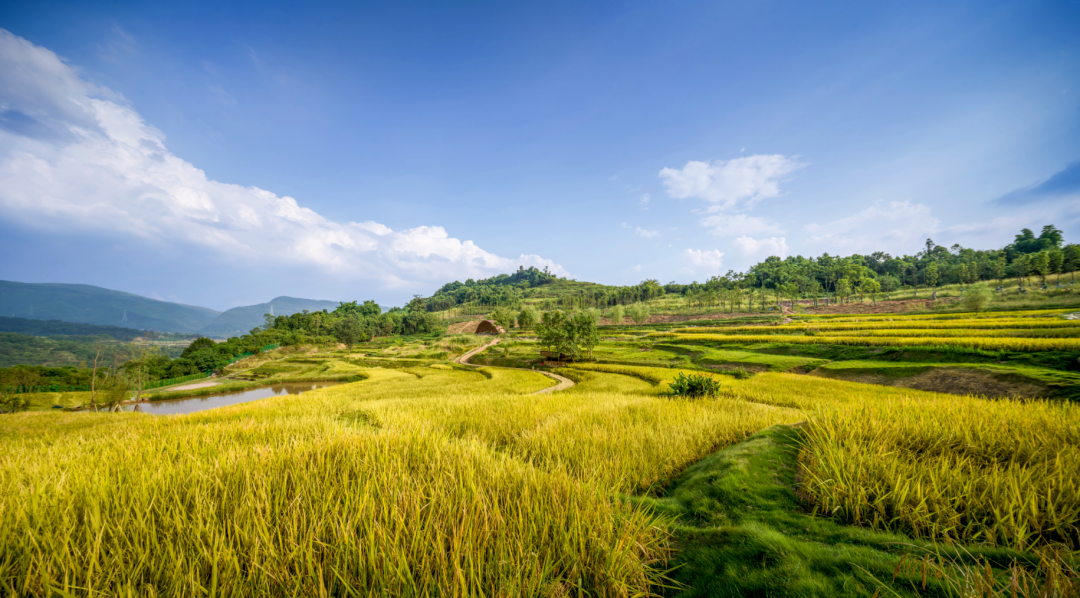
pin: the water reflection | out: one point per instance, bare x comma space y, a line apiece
178, 406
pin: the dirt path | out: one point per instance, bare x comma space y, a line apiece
563, 382
464, 359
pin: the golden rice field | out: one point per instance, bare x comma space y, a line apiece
972, 324
443, 482
986, 315
982, 342
1071, 332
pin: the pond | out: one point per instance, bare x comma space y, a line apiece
193, 404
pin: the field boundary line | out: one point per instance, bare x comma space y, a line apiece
563, 382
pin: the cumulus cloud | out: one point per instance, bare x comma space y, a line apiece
763, 248
648, 234
76, 156
740, 224
895, 227
724, 184
704, 260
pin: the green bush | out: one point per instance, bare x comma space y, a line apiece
694, 385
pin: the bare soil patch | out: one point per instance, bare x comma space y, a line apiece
957, 381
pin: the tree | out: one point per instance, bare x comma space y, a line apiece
998, 268
843, 287
616, 315
585, 332
1040, 263
977, 297
199, 344
347, 330
639, 313
504, 318
869, 286
1072, 259
556, 334
932, 275
1021, 267
1057, 262
526, 318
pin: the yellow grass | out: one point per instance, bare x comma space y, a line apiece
986, 343
430, 481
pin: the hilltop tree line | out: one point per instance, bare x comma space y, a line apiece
1028, 256
935, 265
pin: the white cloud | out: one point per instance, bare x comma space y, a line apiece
648, 234
637, 268
725, 184
74, 156
644, 201
709, 261
896, 227
740, 224
763, 248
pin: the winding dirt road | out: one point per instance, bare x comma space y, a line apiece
563, 382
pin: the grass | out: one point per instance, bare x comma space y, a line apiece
743, 531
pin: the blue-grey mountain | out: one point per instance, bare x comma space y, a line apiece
83, 303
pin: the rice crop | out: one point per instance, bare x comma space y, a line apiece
957, 468
1041, 323
985, 343
437, 481
946, 316
1071, 332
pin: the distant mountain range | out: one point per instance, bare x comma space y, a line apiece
240, 320
86, 304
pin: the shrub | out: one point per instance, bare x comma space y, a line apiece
694, 385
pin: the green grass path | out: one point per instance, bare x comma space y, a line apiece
742, 532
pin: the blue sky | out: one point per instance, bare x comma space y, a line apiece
221, 154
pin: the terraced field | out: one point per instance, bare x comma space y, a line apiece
420, 477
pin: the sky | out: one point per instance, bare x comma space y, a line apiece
222, 154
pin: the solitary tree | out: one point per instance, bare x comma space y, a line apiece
585, 333
616, 315
639, 313
977, 297
526, 318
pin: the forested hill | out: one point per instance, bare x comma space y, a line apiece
88, 304
931, 265
59, 328
240, 320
